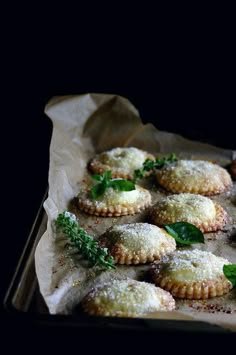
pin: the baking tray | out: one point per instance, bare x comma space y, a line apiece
24, 301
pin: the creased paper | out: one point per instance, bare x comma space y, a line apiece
88, 124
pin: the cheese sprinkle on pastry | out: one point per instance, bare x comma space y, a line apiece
192, 274
137, 243
115, 203
199, 210
127, 298
194, 176
121, 161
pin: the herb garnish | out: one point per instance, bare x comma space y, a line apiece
150, 165
84, 242
184, 233
105, 181
230, 272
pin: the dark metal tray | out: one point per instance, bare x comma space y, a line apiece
24, 301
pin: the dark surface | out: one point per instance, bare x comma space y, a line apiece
30, 181
27, 166
178, 78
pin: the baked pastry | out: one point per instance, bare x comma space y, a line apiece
121, 161
192, 274
115, 203
194, 176
137, 243
127, 298
201, 211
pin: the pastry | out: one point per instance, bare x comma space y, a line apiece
127, 298
192, 274
121, 161
114, 202
201, 211
194, 176
137, 243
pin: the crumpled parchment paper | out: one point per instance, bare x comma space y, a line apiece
88, 124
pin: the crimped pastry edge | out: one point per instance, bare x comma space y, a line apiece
122, 257
91, 308
180, 186
95, 166
113, 210
207, 226
194, 290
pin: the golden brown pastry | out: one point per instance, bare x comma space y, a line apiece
115, 203
192, 274
194, 176
127, 298
121, 161
201, 211
137, 243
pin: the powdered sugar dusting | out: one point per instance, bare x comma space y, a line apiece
138, 237
127, 159
122, 297
194, 265
199, 171
186, 207
113, 197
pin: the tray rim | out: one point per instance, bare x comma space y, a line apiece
8, 306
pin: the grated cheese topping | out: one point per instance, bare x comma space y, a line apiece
131, 297
193, 265
139, 236
186, 207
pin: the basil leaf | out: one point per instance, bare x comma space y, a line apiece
122, 185
97, 177
185, 233
230, 272
172, 158
107, 176
178, 240
104, 182
98, 190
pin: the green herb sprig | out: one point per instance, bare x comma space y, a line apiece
86, 245
105, 181
150, 165
184, 233
230, 273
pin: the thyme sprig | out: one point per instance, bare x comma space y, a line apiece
150, 165
86, 245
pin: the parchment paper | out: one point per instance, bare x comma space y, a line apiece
88, 124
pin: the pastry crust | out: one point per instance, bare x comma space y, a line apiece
137, 243
192, 274
115, 203
205, 214
194, 176
121, 161
127, 298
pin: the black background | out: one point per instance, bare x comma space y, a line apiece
180, 77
